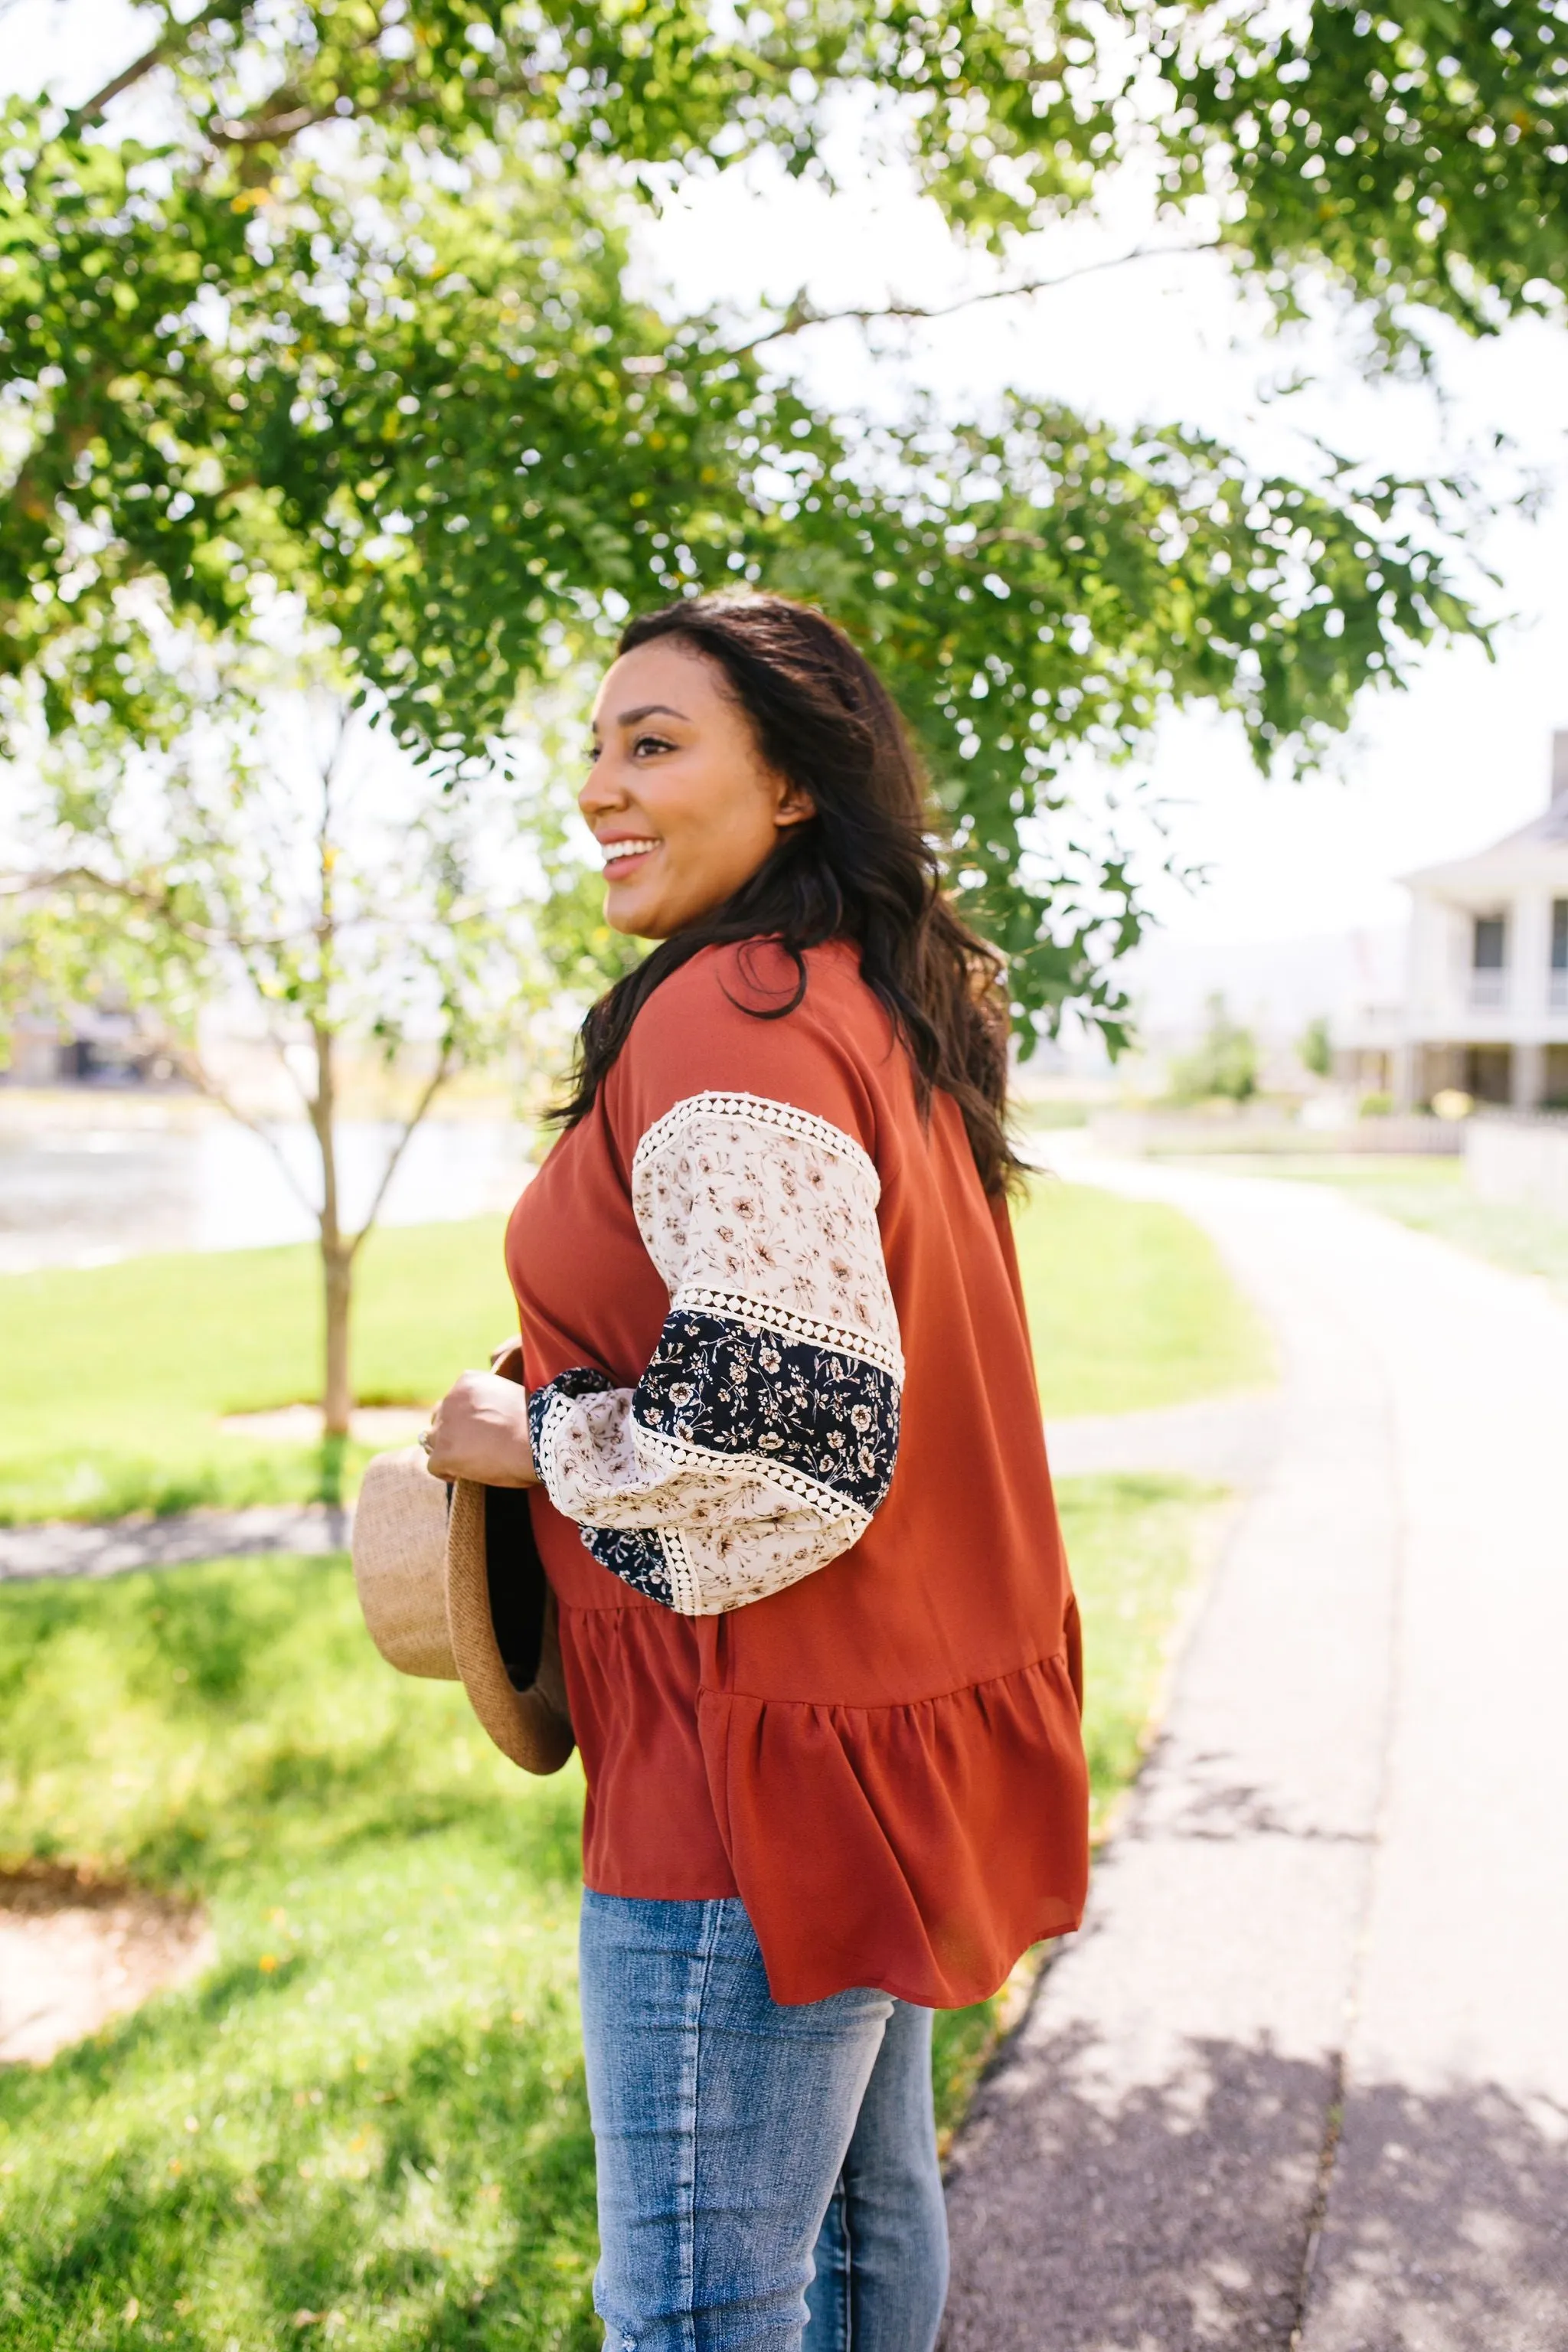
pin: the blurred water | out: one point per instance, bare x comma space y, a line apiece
82, 1196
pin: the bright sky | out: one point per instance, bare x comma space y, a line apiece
1460, 759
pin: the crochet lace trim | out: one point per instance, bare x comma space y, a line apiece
760, 1111
758, 1315
677, 1454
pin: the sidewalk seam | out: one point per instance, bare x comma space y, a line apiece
1335, 2120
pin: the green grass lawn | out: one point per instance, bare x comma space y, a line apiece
1434, 1196
1129, 1304
113, 1379
366, 2125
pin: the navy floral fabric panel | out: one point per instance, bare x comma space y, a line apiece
579, 1383
637, 1556
634, 1554
715, 1383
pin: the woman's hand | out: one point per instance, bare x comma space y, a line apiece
479, 1430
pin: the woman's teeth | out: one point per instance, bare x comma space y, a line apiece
616, 850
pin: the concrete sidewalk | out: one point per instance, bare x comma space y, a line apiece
1228, 1441
1303, 2079
1222, 1439
116, 1547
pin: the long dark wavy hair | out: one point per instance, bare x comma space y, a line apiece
864, 869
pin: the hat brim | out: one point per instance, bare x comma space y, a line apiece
489, 1552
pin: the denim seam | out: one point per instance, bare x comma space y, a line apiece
848, 2305
712, 1929
846, 2283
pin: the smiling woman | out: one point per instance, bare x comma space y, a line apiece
686, 809
681, 801
789, 1486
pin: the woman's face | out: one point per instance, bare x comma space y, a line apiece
681, 800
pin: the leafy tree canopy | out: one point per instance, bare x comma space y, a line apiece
329, 299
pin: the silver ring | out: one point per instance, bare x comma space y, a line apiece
427, 1440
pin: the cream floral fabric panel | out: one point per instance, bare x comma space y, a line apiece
764, 1434
747, 1203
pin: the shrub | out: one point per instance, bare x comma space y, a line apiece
1224, 1066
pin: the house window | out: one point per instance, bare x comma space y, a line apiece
1488, 1073
1489, 956
1560, 935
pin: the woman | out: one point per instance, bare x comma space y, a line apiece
792, 1496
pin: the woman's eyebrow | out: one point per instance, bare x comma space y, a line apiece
647, 710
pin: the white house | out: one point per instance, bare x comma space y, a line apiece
1486, 1003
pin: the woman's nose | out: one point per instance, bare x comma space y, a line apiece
600, 789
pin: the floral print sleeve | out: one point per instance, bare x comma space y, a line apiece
763, 1436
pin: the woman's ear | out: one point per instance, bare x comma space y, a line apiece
794, 806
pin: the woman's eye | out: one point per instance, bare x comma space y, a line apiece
650, 743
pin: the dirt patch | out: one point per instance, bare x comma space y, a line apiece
76, 1951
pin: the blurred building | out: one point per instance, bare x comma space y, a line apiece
1277, 989
1471, 995
1484, 1008
93, 1046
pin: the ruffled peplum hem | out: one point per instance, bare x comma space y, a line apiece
919, 1848
648, 1831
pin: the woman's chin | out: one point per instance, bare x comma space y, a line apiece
649, 914
635, 917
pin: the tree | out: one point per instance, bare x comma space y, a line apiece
1415, 153
258, 848
1224, 1066
1315, 1048
354, 325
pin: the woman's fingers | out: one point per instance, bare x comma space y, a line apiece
479, 1430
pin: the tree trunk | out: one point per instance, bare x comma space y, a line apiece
337, 1282
337, 1254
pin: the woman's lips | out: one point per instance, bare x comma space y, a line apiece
620, 856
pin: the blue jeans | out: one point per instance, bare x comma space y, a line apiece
767, 2175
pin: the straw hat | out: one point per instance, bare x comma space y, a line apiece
451, 1586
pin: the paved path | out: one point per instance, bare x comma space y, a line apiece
1302, 2082
72, 1547
1227, 1439
1230, 1440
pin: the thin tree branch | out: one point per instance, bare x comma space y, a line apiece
189, 1061
137, 894
279, 1043
803, 313
1005, 536
438, 1077
260, 130
233, 942
282, 1048
253, 952
88, 112
148, 62
273, 129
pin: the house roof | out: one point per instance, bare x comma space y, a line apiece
1552, 824
1538, 848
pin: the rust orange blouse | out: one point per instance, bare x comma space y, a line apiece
823, 1653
